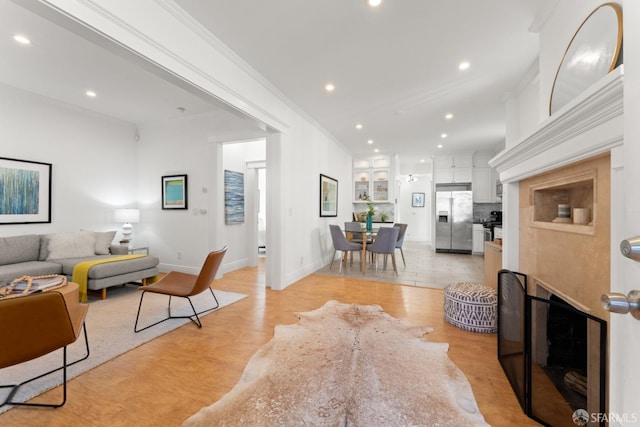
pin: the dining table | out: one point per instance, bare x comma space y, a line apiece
368, 236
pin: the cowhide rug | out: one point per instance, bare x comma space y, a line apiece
347, 365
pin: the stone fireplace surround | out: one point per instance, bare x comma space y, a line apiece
585, 135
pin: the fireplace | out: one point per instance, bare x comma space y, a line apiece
553, 353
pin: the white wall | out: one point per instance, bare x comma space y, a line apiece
419, 220
93, 158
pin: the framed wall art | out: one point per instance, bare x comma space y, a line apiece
328, 196
233, 197
25, 191
174, 192
417, 200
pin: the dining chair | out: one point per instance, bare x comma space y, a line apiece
385, 244
403, 230
340, 243
38, 324
183, 285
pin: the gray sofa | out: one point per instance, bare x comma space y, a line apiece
36, 255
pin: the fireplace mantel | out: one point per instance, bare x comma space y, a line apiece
589, 125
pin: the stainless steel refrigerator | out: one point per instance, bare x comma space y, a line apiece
454, 218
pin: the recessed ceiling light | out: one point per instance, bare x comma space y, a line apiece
358, 126
374, 3
370, 141
448, 116
91, 94
464, 65
329, 87
21, 39
421, 160
376, 151
444, 135
439, 145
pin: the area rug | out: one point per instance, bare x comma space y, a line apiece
110, 329
347, 365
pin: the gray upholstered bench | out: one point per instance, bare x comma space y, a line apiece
471, 306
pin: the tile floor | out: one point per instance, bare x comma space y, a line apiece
424, 268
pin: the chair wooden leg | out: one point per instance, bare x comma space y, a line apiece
393, 260
403, 262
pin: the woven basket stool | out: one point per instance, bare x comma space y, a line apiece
471, 306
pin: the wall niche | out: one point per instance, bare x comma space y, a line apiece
576, 193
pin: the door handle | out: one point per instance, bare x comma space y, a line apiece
619, 303
631, 248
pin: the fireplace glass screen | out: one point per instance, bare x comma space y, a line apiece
553, 354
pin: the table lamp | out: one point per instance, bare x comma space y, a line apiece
127, 217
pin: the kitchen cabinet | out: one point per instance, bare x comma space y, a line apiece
484, 179
492, 263
371, 178
478, 239
447, 169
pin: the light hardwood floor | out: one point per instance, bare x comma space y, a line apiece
168, 379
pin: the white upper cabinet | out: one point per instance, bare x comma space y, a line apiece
484, 179
457, 168
371, 178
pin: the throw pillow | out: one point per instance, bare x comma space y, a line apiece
72, 245
103, 241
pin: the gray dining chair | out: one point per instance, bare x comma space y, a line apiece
385, 244
340, 243
355, 228
399, 243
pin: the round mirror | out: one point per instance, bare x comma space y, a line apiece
593, 52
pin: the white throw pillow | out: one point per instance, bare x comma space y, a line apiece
72, 245
103, 241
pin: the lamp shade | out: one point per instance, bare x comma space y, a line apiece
127, 215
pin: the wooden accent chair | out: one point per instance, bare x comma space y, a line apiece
183, 285
35, 325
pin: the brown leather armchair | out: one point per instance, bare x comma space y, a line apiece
37, 324
183, 285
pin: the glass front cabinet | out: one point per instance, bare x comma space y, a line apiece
372, 179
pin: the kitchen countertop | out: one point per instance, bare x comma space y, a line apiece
494, 245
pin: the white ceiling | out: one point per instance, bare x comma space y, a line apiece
394, 67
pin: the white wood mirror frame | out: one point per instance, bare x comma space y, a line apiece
593, 52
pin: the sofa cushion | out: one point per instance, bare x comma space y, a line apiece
29, 268
108, 269
103, 241
44, 246
15, 249
72, 245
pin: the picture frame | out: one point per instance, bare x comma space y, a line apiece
417, 200
233, 197
174, 192
328, 196
25, 191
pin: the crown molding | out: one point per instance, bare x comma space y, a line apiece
589, 125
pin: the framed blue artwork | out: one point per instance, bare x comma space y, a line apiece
25, 191
174, 192
233, 197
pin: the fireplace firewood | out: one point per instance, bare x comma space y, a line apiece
577, 382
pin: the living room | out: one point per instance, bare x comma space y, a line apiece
103, 163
